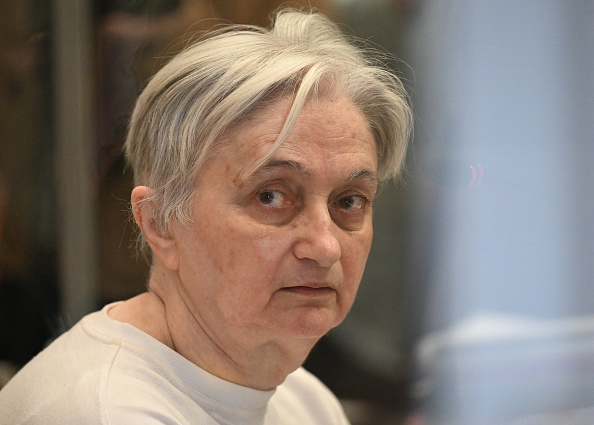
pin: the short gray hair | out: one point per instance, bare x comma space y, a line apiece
216, 83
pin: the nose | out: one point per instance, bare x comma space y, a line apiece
317, 237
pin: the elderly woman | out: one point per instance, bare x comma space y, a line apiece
257, 155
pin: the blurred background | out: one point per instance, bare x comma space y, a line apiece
477, 304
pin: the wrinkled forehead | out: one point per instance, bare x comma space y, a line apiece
330, 126
281, 112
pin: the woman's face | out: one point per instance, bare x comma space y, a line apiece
281, 251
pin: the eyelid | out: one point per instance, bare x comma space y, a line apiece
273, 186
365, 191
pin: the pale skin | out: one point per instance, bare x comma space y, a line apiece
274, 256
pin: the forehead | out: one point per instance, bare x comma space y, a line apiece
326, 127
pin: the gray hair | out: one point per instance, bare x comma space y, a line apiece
216, 83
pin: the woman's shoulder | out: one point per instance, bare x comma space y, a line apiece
65, 377
99, 371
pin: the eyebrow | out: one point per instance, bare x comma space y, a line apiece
300, 168
365, 174
283, 163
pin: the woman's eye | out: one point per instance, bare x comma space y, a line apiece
351, 203
272, 198
274, 206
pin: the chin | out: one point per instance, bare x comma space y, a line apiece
310, 322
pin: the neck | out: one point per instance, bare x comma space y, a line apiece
248, 357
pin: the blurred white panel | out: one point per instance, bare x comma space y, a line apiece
505, 91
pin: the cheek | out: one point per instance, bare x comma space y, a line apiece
249, 280
247, 264
252, 254
355, 254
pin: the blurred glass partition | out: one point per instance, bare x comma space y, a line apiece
504, 214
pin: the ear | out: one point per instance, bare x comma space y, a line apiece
163, 245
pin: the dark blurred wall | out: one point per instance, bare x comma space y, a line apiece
28, 287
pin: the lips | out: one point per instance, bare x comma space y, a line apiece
307, 290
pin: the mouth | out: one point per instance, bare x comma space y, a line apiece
309, 291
